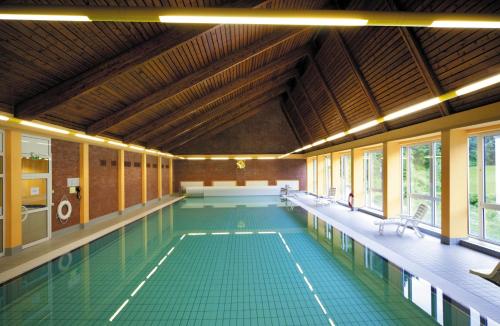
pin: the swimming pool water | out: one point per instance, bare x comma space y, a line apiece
227, 261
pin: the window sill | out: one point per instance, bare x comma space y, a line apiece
371, 211
487, 248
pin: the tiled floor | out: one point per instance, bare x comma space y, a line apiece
11, 266
446, 267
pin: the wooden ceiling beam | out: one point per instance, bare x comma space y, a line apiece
309, 101
224, 120
264, 90
190, 108
98, 75
423, 65
188, 81
329, 94
290, 122
297, 112
359, 76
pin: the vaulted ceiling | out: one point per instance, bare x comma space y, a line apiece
158, 84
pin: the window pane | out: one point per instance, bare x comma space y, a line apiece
474, 228
377, 200
1, 197
437, 157
491, 160
420, 169
437, 212
492, 225
34, 193
376, 172
404, 177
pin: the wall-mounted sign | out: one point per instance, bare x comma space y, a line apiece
73, 182
35, 191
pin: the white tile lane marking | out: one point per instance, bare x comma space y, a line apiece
183, 236
299, 268
266, 232
118, 310
308, 284
320, 304
162, 260
151, 273
220, 233
138, 288
288, 249
170, 251
243, 232
195, 233
331, 322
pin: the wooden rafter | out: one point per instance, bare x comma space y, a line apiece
96, 76
423, 65
188, 81
309, 101
247, 98
198, 104
297, 112
224, 120
290, 122
359, 76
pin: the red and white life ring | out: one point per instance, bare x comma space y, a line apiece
350, 201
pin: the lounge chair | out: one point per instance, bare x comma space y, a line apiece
328, 199
405, 221
492, 276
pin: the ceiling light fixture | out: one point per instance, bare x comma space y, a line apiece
44, 127
4, 118
465, 24
478, 85
112, 142
137, 148
89, 137
69, 18
364, 126
219, 158
412, 109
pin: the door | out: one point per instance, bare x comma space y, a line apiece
36, 189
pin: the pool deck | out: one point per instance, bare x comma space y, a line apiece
29, 258
444, 266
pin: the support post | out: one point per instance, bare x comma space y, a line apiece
144, 178
170, 176
321, 175
357, 185
121, 180
13, 192
159, 177
336, 172
391, 172
84, 184
454, 209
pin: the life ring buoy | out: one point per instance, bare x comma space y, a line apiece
63, 217
350, 201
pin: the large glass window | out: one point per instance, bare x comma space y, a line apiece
315, 175
327, 174
345, 177
484, 187
421, 175
373, 179
2, 183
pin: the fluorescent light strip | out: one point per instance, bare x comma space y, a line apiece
308, 284
478, 85
89, 137
4, 118
336, 136
319, 142
364, 126
465, 24
43, 127
138, 288
246, 20
220, 233
151, 151
118, 310
242, 158
220, 158
196, 158
162, 260
320, 304
72, 18
138, 148
117, 143
152, 272
266, 158
412, 109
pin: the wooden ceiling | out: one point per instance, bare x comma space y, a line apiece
162, 85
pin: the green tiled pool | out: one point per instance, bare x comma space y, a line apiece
226, 261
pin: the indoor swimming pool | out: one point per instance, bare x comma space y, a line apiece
227, 261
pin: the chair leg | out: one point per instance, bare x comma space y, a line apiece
417, 231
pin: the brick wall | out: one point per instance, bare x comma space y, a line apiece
103, 181
152, 170
65, 164
132, 179
209, 171
165, 171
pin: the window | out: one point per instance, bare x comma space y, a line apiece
373, 179
2, 192
484, 187
327, 174
421, 180
345, 177
315, 175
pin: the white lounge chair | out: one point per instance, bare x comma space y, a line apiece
492, 276
405, 221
